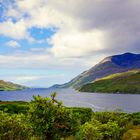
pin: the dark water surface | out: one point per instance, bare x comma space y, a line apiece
70, 97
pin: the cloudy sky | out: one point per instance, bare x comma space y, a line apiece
44, 42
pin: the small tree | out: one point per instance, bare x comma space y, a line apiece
50, 120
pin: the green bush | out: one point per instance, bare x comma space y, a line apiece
83, 114
50, 120
94, 130
14, 127
136, 118
132, 134
47, 118
88, 132
121, 118
105, 126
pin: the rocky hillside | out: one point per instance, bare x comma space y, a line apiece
110, 65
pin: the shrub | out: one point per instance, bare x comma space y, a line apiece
14, 127
50, 120
97, 131
89, 132
132, 134
83, 114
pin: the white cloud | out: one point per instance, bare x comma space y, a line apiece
14, 30
44, 81
76, 44
13, 44
117, 21
22, 79
87, 31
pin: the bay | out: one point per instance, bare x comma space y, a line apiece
72, 98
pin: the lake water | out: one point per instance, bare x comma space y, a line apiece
70, 97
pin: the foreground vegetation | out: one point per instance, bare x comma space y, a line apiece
8, 86
47, 119
126, 82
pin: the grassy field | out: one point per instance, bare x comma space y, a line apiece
126, 82
14, 106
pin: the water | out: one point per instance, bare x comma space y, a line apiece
70, 97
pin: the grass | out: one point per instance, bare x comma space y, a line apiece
13, 107
126, 82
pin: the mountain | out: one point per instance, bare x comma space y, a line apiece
10, 86
109, 65
126, 82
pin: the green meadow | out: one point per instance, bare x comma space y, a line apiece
126, 82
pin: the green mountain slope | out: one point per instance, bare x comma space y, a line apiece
126, 82
10, 86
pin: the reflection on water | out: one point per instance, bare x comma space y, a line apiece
70, 97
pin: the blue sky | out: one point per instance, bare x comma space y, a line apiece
47, 42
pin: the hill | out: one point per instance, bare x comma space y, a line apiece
9, 86
109, 65
126, 82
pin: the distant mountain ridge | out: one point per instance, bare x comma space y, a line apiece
127, 60
8, 86
109, 65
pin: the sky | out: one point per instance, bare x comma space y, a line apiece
46, 42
